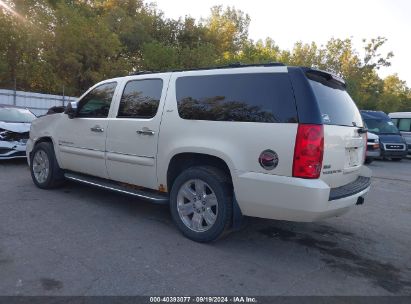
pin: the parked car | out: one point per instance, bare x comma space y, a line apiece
373, 148
392, 144
266, 141
402, 120
14, 131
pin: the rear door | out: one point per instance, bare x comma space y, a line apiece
344, 142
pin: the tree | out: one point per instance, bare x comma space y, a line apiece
46, 44
227, 30
396, 96
83, 49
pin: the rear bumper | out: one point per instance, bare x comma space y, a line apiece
292, 199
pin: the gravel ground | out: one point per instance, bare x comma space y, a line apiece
83, 241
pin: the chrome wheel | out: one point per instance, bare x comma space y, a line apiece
197, 205
41, 166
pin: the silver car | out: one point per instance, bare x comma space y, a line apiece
373, 148
14, 131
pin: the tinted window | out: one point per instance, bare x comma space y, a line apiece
395, 121
381, 126
97, 102
336, 105
404, 124
16, 115
240, 97
140, 98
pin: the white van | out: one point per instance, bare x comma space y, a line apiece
403, 122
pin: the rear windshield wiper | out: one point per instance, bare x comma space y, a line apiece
362, 130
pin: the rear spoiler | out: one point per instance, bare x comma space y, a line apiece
326, 78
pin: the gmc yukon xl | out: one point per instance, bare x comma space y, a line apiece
267, 141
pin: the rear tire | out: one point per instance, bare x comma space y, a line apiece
201, 203
45, 171
368, 161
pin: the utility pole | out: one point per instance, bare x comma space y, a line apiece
63, 96
15, 91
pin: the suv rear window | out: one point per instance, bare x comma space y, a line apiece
336, 105
263, 97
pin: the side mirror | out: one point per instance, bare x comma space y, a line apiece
71, 109
56, 110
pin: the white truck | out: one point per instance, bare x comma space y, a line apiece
266, 141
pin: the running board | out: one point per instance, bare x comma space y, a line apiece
150, 195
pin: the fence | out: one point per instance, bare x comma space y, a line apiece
36, 102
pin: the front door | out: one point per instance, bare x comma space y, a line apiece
81, 140
132, 136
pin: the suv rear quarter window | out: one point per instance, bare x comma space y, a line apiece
257, 97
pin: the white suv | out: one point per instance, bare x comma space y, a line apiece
267, 141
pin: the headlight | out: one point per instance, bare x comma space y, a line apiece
3, 134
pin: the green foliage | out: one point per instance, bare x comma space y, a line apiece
77, 43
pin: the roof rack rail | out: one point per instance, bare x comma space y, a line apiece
228, 66
143, 72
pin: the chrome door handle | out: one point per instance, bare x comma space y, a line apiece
97, 129
146, 132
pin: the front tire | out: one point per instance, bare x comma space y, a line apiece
396, 159
45, 171
201, 203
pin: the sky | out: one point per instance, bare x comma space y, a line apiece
288, 21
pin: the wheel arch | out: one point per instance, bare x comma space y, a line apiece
47, 138
183, 160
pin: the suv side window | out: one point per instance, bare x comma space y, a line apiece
395, 121
257, 97
404, 124
96, 104
140, 98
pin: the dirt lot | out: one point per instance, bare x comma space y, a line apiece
82, 241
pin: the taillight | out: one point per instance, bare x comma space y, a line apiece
308, 151
365, 146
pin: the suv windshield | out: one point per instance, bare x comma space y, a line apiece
381, 126
336, 105
16, 115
